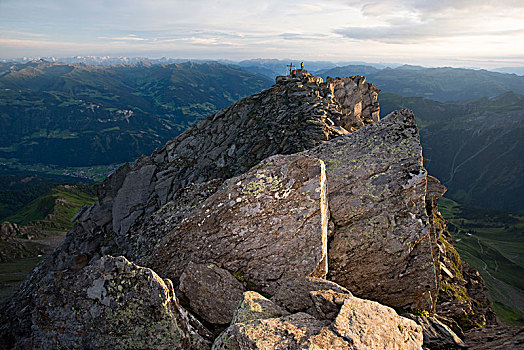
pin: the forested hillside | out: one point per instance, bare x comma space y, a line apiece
82, 115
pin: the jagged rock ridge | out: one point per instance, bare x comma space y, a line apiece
356, 192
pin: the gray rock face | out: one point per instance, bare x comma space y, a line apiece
111, 304
382, 241
213, 293
437, 336
354, 324
266, 226
135, 191
495, 338
288, 118
357, 100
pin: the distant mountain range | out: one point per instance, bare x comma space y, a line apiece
440, 84
80, 115
510, 70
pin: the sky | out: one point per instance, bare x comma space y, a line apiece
468, 33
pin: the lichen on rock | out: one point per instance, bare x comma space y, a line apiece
256, 233
111, 303
382, 239
353, 323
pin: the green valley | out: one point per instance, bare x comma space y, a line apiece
36, 229
55, 209
493, 243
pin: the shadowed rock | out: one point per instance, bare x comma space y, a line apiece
437, 336
213, 293
495, 338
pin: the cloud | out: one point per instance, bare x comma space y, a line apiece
412, 33
312, 29
124, 38
302, 36
420, 20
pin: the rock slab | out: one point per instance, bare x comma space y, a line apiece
266, 226
382, 238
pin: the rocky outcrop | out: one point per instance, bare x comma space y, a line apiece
287, 118
351, 323
229, 221
9, 230
381, 240
296, 114
112, 303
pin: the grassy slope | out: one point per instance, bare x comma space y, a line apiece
17, 189
51, 212
493, 243
56, 208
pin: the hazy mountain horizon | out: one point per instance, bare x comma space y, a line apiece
312, 65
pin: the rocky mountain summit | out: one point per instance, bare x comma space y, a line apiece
292, 219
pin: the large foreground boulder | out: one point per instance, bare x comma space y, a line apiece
266, 226
112, 303
382, 241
